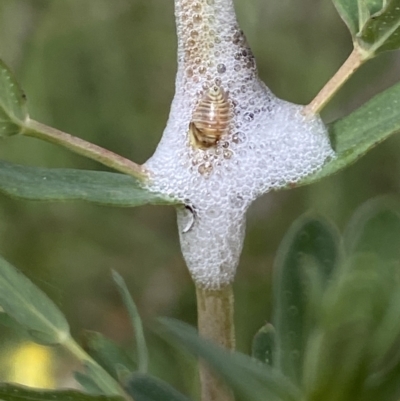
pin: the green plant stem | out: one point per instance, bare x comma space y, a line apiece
105, 382
41, 131
215, 322
353, 62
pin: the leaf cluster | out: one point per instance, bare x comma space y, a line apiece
335, 332
373, 24
109, 373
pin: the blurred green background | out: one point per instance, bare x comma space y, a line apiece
104, 70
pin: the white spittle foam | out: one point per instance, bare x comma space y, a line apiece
270, 144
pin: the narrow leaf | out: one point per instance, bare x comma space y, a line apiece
30, 307
253, 380
382, 31
45, 184
355, 13
12, 103
147, 388
142, 354
8, 321
263, 347
107, 354
359, 132
375, 6
310, 243
383, 388
385, 343
101, 379
87, 383
13, 392
338, 351
348, 10
375, 227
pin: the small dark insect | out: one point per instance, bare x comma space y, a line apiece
210, 119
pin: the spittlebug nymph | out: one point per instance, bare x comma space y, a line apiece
210, 119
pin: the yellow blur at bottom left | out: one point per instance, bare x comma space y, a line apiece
29, 364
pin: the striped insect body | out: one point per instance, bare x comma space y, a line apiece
210, 119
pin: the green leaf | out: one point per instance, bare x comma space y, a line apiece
9, 322
383, 388
87, 383
142, 354
147, 388
382, 31
355, 13
263, 347
253, 380
348, 10
12, 103
375, 227
359, 132
385, 343
45, 184
107, 354
13, 392
95, 378
338, 351
310, 244
30, 307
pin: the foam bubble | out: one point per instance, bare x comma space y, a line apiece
270, 144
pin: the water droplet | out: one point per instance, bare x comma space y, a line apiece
221, 68
238, 137
196, 7
205, 169
248, 116
228, 154
238, 201
197, 18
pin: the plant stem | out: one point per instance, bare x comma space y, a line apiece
215, 322
38, 130
353, 62
102, 379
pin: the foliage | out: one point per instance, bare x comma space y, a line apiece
335, 315
335, 330
374, 24
354, 135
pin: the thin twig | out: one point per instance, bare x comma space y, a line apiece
41, 131
354, 61
215, 322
